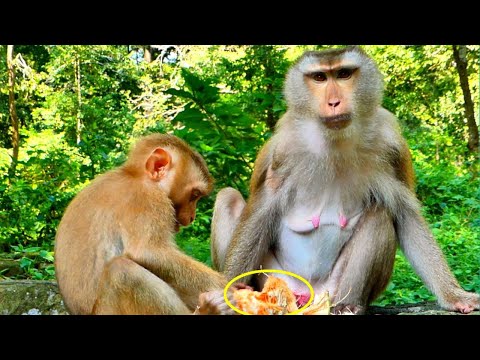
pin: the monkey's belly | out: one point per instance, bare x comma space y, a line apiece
311, 255
309, 251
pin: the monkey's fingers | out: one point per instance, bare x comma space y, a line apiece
348, 309
469, 303
240, 286
460, 300
213, 303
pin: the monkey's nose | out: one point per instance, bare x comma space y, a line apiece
334, 102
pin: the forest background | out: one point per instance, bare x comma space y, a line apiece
69, 113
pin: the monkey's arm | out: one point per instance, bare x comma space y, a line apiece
420, 247
258, 223
186, 275
251, 238
426, 257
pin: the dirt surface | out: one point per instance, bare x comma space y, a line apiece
30, 297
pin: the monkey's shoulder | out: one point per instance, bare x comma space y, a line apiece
388, 126
259, 169
395, 148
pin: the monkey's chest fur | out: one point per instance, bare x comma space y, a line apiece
313, 233
312, 251
319, 218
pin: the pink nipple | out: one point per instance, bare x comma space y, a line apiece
302, 299
343, 221
316, 221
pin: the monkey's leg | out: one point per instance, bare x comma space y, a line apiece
229, 205
365, 265
128, 288
428, 261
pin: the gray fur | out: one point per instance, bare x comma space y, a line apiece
363, 161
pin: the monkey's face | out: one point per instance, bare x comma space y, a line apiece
185, 208
331, 91
189, 188
335, 88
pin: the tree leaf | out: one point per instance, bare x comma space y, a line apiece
180, 93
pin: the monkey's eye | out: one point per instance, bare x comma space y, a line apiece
319, 76
344, 73
195, 195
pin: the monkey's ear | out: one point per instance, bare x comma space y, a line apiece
156, 164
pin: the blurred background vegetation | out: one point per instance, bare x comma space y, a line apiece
68, 113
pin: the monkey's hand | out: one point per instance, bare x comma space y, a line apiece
213, 303
239, 286
462, 301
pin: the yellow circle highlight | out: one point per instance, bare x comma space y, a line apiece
267, 271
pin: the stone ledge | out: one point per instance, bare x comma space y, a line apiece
35, 297
427, 308
30, 297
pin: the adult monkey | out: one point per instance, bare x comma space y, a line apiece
115, 251
332, 193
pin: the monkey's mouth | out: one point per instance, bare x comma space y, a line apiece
337, 122
177, 226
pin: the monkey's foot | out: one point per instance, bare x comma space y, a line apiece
348, 309
467, 304
462, 301
464, 308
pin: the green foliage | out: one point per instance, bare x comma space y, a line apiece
194, 238
256, 79
36, 198
4, 119
450, 196
52, 168
36, 262
224, 100
225, 135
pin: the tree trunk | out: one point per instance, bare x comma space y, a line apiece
147, 53
270, 118
266, 52
12, 109
79, 99
460, 56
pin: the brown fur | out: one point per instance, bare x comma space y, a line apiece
115, 251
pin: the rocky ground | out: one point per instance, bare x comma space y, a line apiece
30, 297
